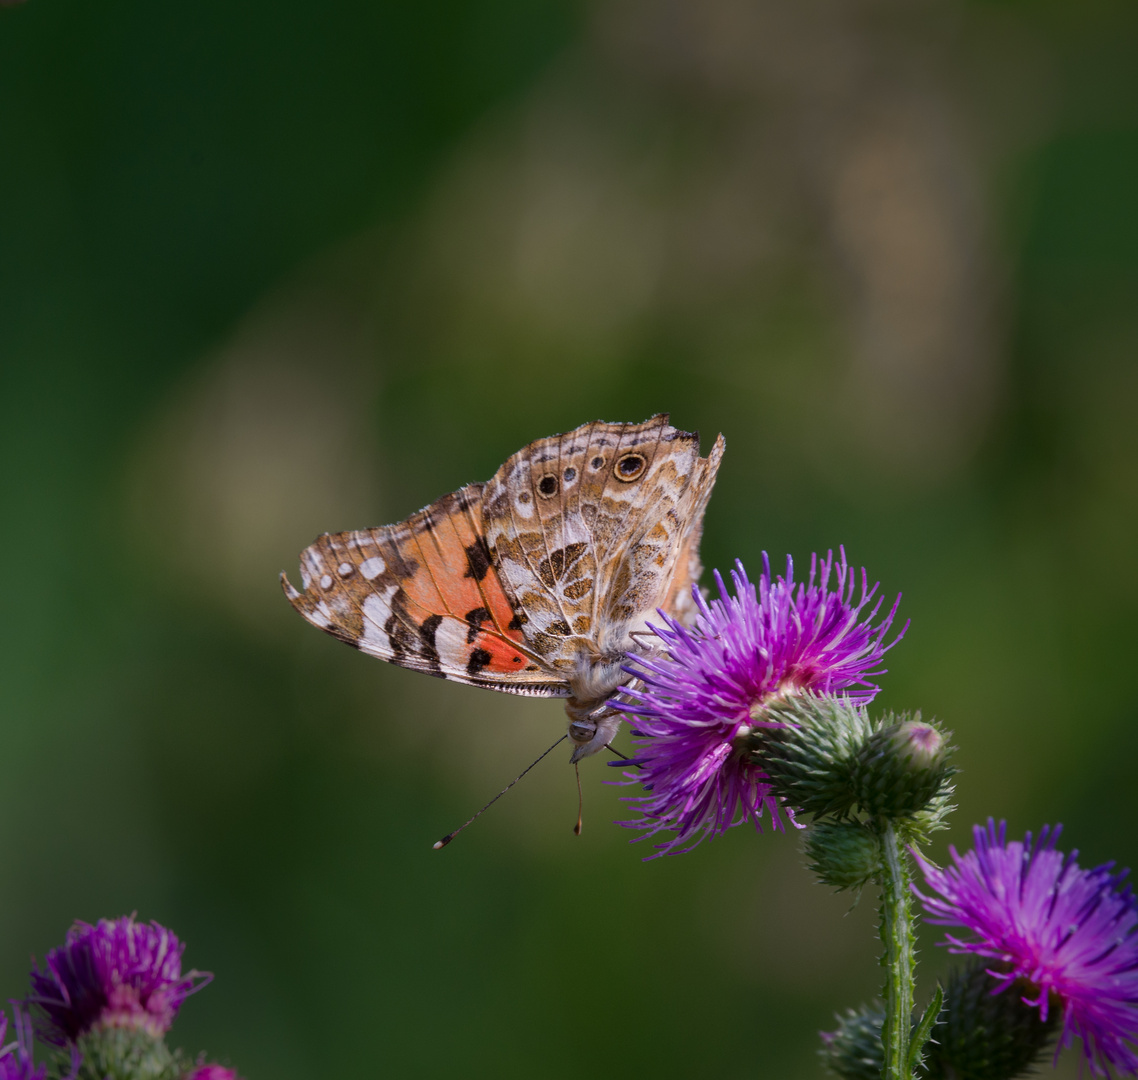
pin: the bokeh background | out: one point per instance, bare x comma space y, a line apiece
274, 268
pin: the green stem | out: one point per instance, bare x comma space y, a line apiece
898, 959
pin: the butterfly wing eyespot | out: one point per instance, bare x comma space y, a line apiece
547, 486
630, 467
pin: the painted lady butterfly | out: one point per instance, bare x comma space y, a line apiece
536, 582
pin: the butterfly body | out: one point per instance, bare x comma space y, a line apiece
536, 582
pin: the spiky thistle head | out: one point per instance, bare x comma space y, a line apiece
1065, 935
706, 689
119, 973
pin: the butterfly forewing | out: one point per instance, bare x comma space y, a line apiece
425, 595
585, 529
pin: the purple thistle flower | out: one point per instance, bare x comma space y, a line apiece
700, 698
1067, 932
212, 1071
16, 1058
120, 973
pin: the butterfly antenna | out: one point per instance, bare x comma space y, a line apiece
580, 802
451, 835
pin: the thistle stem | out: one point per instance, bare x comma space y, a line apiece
898, 958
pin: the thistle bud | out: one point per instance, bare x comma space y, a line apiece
810, 757
901, 769
844, 854
920, 743
854, 1051
985, 1035
126, 1052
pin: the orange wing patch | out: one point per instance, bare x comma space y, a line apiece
423, 594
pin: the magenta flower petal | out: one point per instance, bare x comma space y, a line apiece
16, 1058
120, 973
694, 701
1038, 916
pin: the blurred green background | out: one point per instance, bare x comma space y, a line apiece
272, 269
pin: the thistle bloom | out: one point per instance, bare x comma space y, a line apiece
1065, 931
212, 1071
119, 973
702, 696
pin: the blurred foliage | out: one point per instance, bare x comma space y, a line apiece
271, 270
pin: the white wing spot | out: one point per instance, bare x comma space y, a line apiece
326, 581
450, 642
345, 569
376, 609
373, 567
318, 618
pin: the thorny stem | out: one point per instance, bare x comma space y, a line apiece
898, 958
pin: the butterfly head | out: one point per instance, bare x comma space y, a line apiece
591, 727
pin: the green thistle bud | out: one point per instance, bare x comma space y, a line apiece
845, 855
901, 769
122, 1053
854, 1051
811, 757
986, 1036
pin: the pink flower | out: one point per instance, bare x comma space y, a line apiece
120, 973
698, 700
1068, 932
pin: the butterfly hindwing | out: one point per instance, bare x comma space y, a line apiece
588, 530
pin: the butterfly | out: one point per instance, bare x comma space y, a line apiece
540, 581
